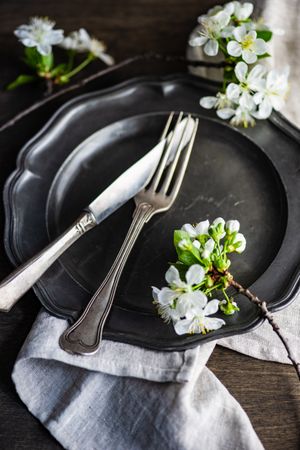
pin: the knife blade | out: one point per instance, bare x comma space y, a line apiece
126, 186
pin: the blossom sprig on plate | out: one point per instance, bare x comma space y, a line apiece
201, 270
39, 38
247, 93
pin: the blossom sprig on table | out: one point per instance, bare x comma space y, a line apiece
247, 93
40, 36
201, 270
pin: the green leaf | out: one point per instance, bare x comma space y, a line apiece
187, 258
32, 57
265, 55
266, 35
20, 81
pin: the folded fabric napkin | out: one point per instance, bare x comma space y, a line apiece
125, 397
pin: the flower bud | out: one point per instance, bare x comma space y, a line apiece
232, 226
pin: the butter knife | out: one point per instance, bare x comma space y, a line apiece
126, 186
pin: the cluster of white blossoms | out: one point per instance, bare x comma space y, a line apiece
202, 268
39, 37
81, 42
41, 34
248, 93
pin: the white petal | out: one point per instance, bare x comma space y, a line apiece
166, 296
225, 113
155, 292
258, 97
107, 59
233, 91
234, 48
244, 11
211, 307
277, 102
44, 49
232, 226
229, 8
240, 71
265, 109
240, 238
202, 227
227, 32
208, 102
211, 47
212, 323
246, 101
198, 41
240, 33
182, 326
259, 46
196, 244
28, 42
258, 71
56, 36
218, 220
172, 277
222, 18
249, 57
195, 274
189, 229
209, 245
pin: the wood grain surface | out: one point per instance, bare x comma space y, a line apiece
269, 392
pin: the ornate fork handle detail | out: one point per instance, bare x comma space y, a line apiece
84, 337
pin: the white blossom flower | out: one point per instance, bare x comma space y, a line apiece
219, 221
200, 323
220, 101
208, 248
211, 31
246, 45
232, 226
273, 94
197, 230
239, 116
242, 93
242, 240
40, 34
240, 10
80, 41
188, 302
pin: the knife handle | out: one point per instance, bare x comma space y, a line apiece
24, 277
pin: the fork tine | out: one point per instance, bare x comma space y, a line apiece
170, 172
185, 156
165, 155
167, 126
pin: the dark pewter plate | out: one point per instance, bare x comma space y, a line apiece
251, 175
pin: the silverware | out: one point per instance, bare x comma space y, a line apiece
85, 335
119, 192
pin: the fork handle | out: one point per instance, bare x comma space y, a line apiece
85, 335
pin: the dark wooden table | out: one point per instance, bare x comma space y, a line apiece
269, 392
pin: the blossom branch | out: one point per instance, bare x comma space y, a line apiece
270, 318
148, 56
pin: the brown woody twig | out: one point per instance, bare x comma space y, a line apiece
100, 73
267, 315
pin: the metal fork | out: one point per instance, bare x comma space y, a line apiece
85, 336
